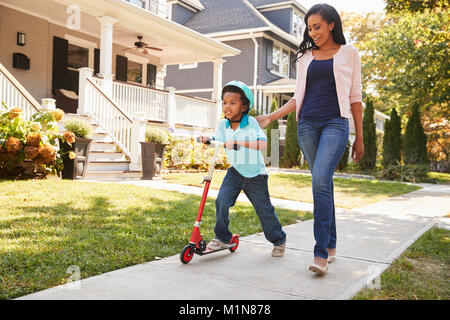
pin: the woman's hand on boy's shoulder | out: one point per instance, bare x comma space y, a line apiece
263, 121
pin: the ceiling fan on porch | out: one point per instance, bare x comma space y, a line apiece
142, 47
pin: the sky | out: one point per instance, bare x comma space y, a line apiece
359, 6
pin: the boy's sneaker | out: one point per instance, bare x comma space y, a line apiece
216, 244
278, 251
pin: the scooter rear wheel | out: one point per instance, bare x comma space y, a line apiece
234, 240
186, 254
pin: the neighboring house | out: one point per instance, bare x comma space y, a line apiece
88, 52
268, 33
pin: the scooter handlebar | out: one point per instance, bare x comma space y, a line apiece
220, 143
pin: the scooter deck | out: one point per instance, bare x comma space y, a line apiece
208, 251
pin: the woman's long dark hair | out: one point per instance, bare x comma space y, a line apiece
329, 14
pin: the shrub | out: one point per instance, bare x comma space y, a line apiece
29, 148
291, 150
415, 151
153, 134
81, 128
369, 158
392, 140
404, 172
344, 160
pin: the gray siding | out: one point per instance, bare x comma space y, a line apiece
198, 78
181, 14
281, 18
264, 74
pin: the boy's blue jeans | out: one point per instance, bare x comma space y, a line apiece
257, 192
323, 143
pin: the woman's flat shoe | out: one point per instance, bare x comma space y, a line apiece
331, 259
318, 269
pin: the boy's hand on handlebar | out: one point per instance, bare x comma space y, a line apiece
203, 139
230, 144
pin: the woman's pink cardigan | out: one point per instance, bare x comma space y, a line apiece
347, 74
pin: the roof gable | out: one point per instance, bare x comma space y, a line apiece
212, 19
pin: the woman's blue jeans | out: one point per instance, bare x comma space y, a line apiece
323, 143
256, 190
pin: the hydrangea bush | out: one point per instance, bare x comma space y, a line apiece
29, 148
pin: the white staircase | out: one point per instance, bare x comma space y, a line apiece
106, 159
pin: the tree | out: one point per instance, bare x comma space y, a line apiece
291, 148
369, 158
415, 151
392, 140
272, 125
414, 5
408, 61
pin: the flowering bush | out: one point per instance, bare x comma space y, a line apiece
29, 148
187, 153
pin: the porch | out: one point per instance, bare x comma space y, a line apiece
83, 51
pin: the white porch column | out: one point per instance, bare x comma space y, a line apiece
137, 136
83, 97
217, 88
171, 108
106, 51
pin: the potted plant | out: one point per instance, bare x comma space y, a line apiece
76, 146
152, 151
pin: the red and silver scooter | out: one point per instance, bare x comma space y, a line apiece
197, 244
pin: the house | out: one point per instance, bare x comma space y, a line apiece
105, 60
268, 33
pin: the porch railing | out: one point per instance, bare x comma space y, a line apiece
193, 111
13, 94
105, 111
135, 99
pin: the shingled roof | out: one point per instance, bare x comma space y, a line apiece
230, 15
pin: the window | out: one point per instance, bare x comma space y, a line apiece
78, 57
297, 25
139, 3
280, 61
134, 72
276, 59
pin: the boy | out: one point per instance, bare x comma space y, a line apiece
247, 171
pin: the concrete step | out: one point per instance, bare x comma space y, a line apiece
106, 156
113, 175
117, 165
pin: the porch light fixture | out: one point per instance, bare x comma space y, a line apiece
21, 38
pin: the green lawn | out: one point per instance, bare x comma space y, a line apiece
48, 226
421, 272
348, 193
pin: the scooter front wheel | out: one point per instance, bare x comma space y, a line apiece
234, 241
186, 254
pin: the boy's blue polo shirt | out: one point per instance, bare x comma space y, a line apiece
248, 162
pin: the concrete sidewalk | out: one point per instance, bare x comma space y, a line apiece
369, 240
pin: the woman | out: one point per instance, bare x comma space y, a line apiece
327, 90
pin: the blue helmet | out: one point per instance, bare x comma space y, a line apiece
248, 93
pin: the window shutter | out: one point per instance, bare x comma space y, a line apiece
60, 57
121, 68
269, 53
151, 75
96, 61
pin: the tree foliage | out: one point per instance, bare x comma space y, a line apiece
415, 150
408, 61
291, 148
392, 140
415, 5
368, 161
